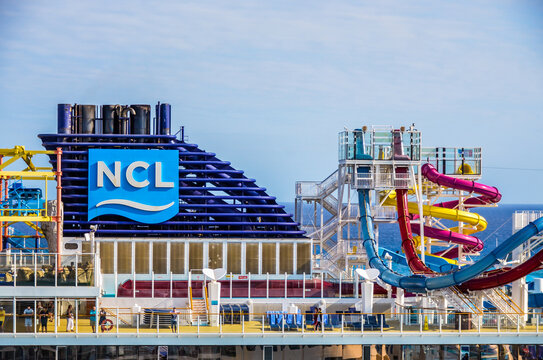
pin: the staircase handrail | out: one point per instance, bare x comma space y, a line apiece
330, 180
111, 313
509, 301
470, 305
331, 265
207, 303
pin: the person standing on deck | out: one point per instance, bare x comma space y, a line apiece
102, 320
2, 318
28, 318
318, 319
39, 309
93, 319
69, 319
173, 320
44, 316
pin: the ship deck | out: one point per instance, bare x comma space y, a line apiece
254, 333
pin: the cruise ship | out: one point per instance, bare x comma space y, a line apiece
133, 243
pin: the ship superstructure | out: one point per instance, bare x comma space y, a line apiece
152, 240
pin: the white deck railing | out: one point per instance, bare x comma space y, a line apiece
159, 321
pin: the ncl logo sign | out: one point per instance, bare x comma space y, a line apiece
142, 185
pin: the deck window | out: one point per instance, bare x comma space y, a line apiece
286, 258
124, 257
251, 258
196, 257
303, 257
106, 257
268, 258
142, 258
215, 255
177, 257
234, 258
160, 260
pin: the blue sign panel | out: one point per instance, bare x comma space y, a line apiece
142, 185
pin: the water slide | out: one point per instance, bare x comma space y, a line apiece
470, 243
419, 282
398, 262
489, 195
505, 276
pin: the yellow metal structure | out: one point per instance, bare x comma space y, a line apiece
17, 164
29, 172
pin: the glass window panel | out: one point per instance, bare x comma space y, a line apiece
142, 258
106, 257
251, 258
215, 255
124, 257
177, 257
303, 257
286, 258
159, 257
196, 257
234, 258
268, 258
86, 250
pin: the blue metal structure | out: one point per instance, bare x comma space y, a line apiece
216, 200
23, 201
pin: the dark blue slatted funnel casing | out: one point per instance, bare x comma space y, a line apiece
216, 200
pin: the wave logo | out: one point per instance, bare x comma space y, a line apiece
142, 185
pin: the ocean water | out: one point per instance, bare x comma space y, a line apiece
500, 225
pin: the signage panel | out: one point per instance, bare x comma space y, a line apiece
142, 185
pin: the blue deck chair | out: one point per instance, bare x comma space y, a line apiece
236, 316
381, 319
245, 311
372, 319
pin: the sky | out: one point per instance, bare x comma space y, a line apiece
268, 85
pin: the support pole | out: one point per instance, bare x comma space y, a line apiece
4, 229
286, 286
14, 316
1, 213
76, 316
303, 282
76, 276
58, 218
421, 215
249, 287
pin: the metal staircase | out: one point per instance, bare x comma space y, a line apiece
199, 312
505, 305
460, 302
324, 233
332, 222
330, 267
317, 189
329, 202
152, 318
